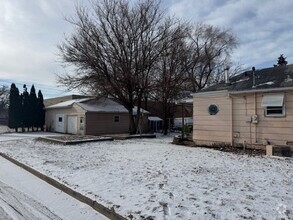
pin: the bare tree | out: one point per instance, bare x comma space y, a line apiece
208, 52
4, 98
114, 49
170, 71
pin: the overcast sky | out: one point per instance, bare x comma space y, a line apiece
31, 29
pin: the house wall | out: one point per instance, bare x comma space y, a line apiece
74, 111
275, 130
103, 123
212, 129
215, 129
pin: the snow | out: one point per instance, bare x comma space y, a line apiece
151, 177
24, 196
102, 105
267, 83
154, 118
68, 103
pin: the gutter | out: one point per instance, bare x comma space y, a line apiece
263, 90
202, 94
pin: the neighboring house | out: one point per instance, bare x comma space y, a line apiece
174, 113
184, 107
89, 116
254, 108
155, 123
53, 101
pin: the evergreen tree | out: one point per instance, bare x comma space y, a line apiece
13, 111
26, 108
20, 111
41, 111
33, 108
282, 61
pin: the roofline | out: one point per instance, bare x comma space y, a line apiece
58, 107
262, 90
209, 93
243, 91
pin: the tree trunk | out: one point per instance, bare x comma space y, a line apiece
165, 120
132, 127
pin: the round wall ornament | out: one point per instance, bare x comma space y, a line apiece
213, 109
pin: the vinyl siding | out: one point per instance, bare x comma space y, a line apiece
51, 117
103, 123
275, 130
212, 129
233, 111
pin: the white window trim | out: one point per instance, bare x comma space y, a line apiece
283, 114
271, 100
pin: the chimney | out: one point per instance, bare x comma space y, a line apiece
227, 74
253, 77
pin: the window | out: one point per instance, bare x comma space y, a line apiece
60, 119
116, 118
81, 122
274, 110
274, 104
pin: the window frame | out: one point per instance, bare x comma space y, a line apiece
116, 118
283, 114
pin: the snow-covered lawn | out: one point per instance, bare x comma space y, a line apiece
153, 178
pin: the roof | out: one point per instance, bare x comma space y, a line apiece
265, 79
102, 105
56, 100
95, 105
154, 118
66, 104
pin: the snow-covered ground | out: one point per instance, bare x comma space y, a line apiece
143, 178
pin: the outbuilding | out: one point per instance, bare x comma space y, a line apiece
88, 116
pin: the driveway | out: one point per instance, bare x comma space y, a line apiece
24, 196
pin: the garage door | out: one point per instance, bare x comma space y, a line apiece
72, 124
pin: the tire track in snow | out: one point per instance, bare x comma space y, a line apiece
17, 205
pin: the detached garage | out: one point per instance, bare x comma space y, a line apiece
87, 116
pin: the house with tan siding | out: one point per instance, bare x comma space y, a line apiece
89, 116
253, 109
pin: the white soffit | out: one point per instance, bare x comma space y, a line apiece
275, 99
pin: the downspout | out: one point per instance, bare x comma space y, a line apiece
231, 98
255, 113
255, 107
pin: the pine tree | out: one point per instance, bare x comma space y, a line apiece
26, 108
13, 108
41, 111
33, 108
282, 61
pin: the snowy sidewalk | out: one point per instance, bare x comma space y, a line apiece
24, 196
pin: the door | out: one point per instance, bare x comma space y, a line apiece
59, 123
72, 124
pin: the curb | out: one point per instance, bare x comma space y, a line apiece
72, 142
110, 213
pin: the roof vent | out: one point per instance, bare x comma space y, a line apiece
288, 79
227, 74
253, 77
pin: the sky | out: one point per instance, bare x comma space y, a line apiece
30, 31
